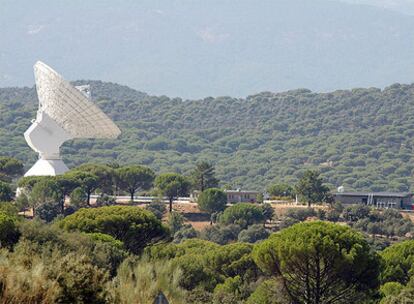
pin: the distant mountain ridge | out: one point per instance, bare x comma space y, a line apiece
360, 138
202, 48
402, 6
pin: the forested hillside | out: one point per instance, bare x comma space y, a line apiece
361, 139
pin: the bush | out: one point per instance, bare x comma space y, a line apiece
175, 222
9, 233
205, 264
212, 200
9, 208
221, 234
47, 211
391, 289
6, 193
46, 191
270, 291
105, 200
104, 251
230, 292
232, 260
134, 226
296, 215
141, 281
79, 280
281, 190
395, 293
242, 214
268, 211
186, 232
78, 199
356, 212
398, 262
157, 208
26, 282
106, 239
300, 214
49, 276
332, 215
253, 234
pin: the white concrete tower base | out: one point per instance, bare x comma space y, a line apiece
47, 167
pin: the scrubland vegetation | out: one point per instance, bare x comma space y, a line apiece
74, 250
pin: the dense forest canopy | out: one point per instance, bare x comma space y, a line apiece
359, 138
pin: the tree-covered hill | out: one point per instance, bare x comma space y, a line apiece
360, 138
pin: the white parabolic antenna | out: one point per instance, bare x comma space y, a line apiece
64, 113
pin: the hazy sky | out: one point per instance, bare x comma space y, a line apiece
403, 6
198, 48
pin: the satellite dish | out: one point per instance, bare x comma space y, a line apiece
64, 113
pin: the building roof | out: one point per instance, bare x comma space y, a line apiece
375, 194
242, 191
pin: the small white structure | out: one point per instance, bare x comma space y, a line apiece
241, 196
64, 113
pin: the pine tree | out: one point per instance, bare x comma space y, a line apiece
203, 176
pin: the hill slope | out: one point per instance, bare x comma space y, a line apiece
360, 138
203, 48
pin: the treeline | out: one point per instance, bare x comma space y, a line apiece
46, 195
360, 138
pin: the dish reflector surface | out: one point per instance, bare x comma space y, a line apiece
71, 109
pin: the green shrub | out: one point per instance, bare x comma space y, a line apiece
243, 214
9, 208
186, 232
106, 239
134, 226
398, 262
105, 200
141, 281
103, 250
79, 280
221, 234
47, 211
175, 222
391, 289
6, 193
49, 276
212, 200
158, 208
270, 291
9, 233
253, 234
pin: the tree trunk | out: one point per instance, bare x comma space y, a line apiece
132, 195
89, 198
171, 201
309, 204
